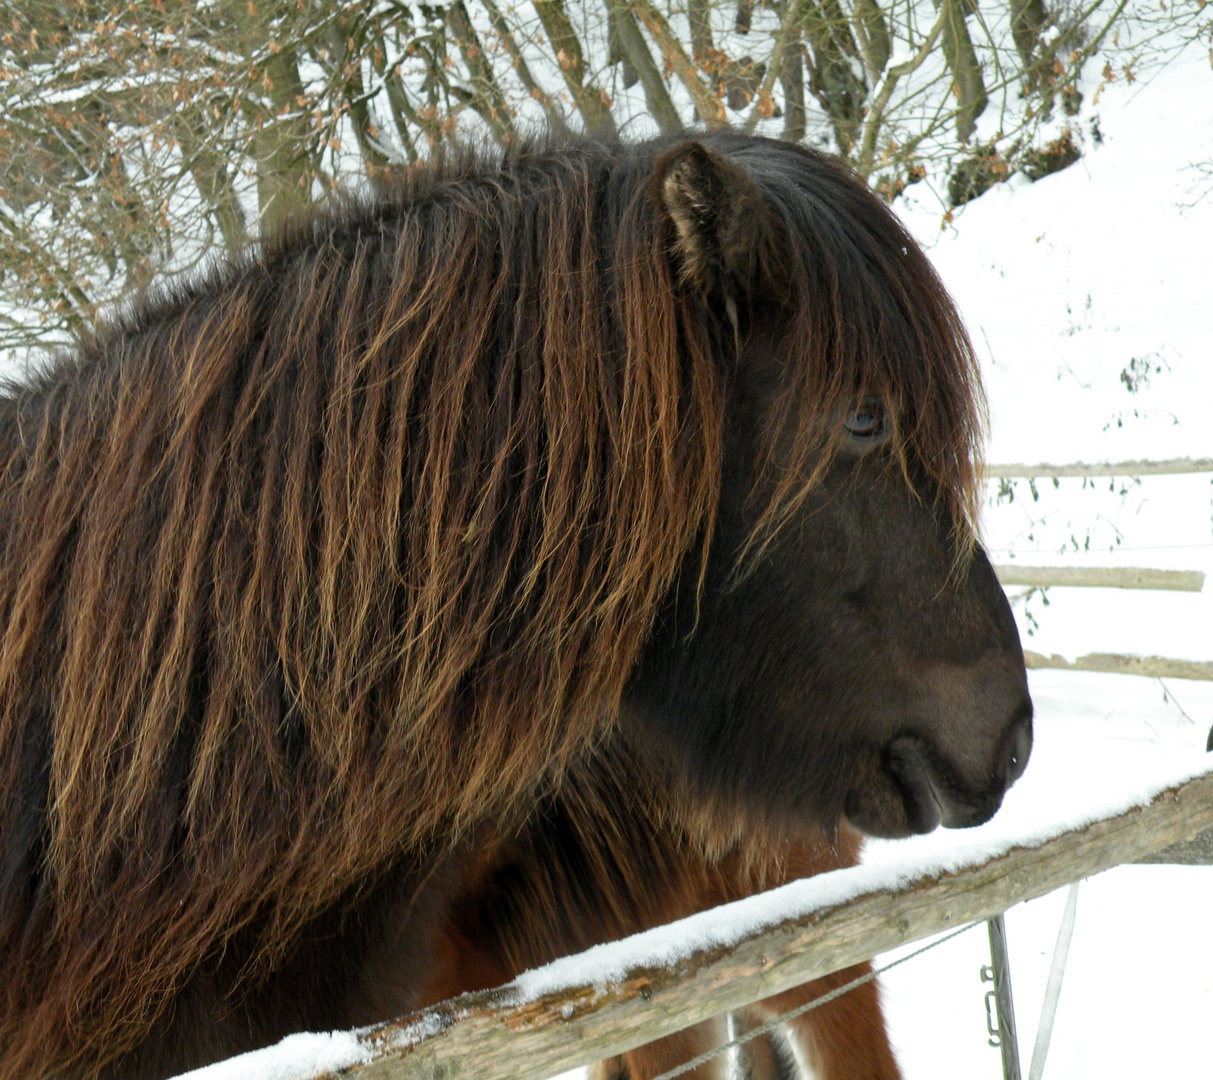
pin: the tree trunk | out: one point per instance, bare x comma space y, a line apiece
1028, 19
699, 16
966, 71
832, 78
792, 78
880, 44
488, 100
214, 184
635, 51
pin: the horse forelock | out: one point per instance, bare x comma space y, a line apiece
313, 566
865, 316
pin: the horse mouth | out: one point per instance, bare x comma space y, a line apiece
931, 799
917, 790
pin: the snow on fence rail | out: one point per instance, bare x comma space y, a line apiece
602, 1002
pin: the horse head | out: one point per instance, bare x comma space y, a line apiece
845, 650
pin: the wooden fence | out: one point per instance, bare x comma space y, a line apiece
508, 1034
1170, 467
1108, 577
1154, 667
1102, 577
1120, 577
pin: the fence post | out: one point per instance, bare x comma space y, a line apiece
1008, 1041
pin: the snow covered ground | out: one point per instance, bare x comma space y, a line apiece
1089, 298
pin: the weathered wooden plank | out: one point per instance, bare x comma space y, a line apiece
1102, 577
1154, 667
1169, 467
1195, 852
495, 1036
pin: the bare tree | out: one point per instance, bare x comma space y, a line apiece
137, 137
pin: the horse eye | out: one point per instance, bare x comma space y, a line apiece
867, 421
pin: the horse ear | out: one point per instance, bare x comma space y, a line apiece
727, 239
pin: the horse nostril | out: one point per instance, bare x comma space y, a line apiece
1019, 745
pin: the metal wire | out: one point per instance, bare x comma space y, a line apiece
825, 999
1048, 1010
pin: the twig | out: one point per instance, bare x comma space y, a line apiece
884, 91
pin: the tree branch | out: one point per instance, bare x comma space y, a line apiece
789, 34
636, 50
710, 110
566, 48
884, 91
488, 100
503, 32
966, 71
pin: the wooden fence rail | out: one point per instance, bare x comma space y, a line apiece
1102, 577
510, 1034
1153, 667
1171, 467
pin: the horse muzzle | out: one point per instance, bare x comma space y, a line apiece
919, 788
933, 795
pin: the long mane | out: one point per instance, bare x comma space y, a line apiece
313, 566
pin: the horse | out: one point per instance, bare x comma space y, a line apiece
620, 849
314, 569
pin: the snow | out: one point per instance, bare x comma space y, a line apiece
1134, 1002
1064, 283
297, 1057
